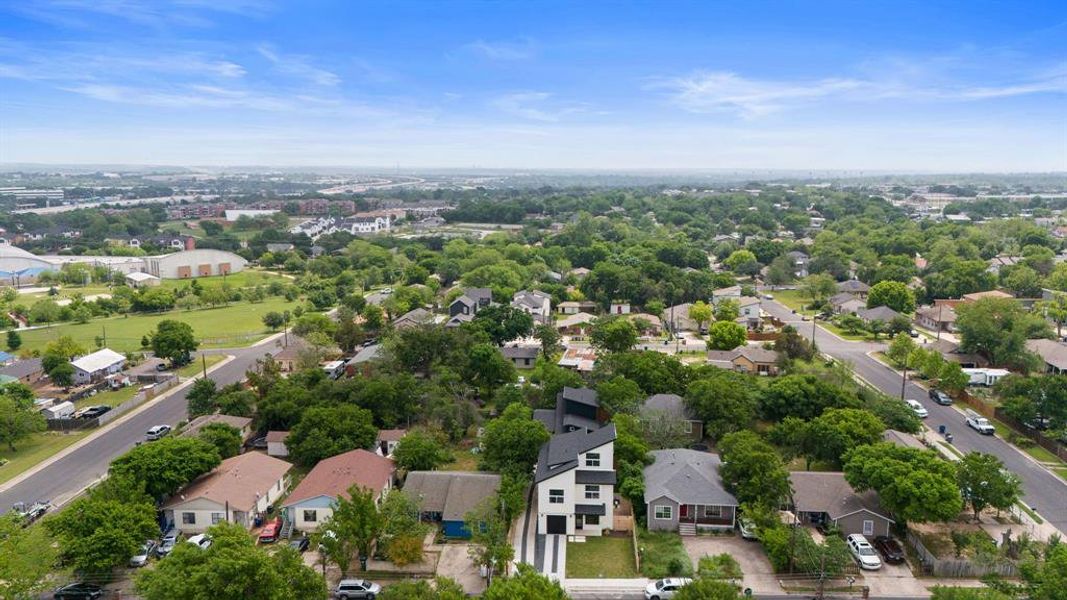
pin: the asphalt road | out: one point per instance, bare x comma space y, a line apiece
65, 478
1042, 490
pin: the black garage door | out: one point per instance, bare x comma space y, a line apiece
557, 524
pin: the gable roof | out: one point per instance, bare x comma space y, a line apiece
830, 493
560, 452
391, 435
1050, 351
531, 299
687, 477
276, 436
672, 404
333, 476
101, 359
240, 481
575, 319
513, 352
451, 493
841, 298
23, 368
583, 395
987, 294
853, 285
878, 313
416, 315
942, 313
756, 353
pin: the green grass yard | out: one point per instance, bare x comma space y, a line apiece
196, 368
462, 460
32, 450
660, 551
601, 557
228, 326
246, 278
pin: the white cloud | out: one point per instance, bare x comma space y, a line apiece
534, 106
152, 13
504, 51
298, 66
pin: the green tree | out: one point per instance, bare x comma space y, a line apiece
752, 470
893, 294
900, 347
325, 431
726, 335
613, 334
952, 378
231, 568
18, 417
27, 556
402, 532
1055, 309
357, 519
725, 402
167, 464
727, 310
840, 429
526, 584
550, 338
442, 588
818, 287
619, 394
742, 262
983, 481
490, 543
511, 442
225, 438
488, 369
503, 323
709, 589
62, 375
14, 340
700, 312
915, 485
850, 323
201, 397
419, 451
174, 340
940, 592
803, 396
274, 320
997, 328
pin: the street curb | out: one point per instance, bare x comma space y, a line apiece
103, 430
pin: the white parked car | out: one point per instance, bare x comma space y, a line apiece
665, 588
747, 528
918, 408
863, 552
203, 541
157, 432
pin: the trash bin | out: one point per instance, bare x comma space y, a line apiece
941, 429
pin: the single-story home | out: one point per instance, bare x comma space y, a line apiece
98, 365
674, 406
241, 424
523, 357
388, 440
678, 319
1052, 353
580, 359
646, 324
364, 361
571, 307
975, 296
951, 351
826, 497
276, 443
941, 317
854, 286
289, 355
756, 359
413, 318
447, 496
314, 498
28, 371
236, 491
575, 324
683, 492
878, 313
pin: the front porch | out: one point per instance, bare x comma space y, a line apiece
704, 516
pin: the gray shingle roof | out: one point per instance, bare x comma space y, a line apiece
582, 395
878, 313
22, 368
451, 493
513, 352
853, 285
830, 493
687, 477
560, 452
671, 404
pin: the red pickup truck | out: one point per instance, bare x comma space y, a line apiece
271, 530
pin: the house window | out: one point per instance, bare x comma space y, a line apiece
592, 459
689, 427
664, 513
592, 492
592, 519
713, 511
215, 518
311, 516
188, 518
868, 527
555, 496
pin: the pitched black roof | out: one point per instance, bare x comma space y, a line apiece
560, 452
582, 395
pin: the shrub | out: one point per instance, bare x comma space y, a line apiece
405, 550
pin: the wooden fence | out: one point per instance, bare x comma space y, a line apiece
1039, 438
958, 567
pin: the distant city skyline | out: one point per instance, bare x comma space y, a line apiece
905, 87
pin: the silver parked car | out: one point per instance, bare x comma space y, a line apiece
141, 558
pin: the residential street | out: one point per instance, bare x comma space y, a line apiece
61, 480
1042, 490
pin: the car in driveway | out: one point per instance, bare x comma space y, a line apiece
917, 408
78, 591
300, 544
940, 397
864, 553
166, 545
141, 558
202, 541
889, 548
157, 432
271, 530
747, 527
356, 589
665, 588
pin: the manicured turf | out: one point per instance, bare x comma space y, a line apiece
247, 278
228, 326
601, 557
33, 450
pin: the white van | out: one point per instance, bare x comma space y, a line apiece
979, 423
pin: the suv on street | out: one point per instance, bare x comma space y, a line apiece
979, 423
351, 589
665, 588
863, 552
157, 432
940, 397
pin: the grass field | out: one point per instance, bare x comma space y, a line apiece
661, 551
462, 460
196, 368
247, 278
221, 327
33, 450
601, 557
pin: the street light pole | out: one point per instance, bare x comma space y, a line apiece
904, 378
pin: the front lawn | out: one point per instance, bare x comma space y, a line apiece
462, 460
32, 450
662, 555
601, 557
197, 367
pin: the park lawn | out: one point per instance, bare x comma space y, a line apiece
33, 450
234, 325
601, 557
793, 300
660, 550
242, 279
65, 292
1062, 473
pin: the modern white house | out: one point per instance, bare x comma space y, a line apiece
575, 479
96, 366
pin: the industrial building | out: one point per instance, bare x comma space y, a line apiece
19, 267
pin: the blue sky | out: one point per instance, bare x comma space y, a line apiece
873, 86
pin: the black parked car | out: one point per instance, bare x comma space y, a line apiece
940, 397
95, 411
889, 549
299, 545
78, 591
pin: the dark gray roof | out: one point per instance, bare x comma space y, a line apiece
597, 477
671, 404
417, 315
842, 298
583, 395
366, 354
451, 493
513, 352
479, 294
878, 313
687, 477
22, 368
547, 417
853, 285
560, 452
829, 492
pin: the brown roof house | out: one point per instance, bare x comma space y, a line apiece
447, 496
755, 359
236, 491
936, 318
313, 500
1052, 353
825, 497
388, 440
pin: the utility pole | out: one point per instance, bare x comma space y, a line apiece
104, 329
904, 378
203, 358
939, 307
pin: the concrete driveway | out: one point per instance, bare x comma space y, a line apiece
758, 574
457, 564
893, 580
